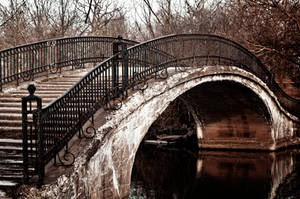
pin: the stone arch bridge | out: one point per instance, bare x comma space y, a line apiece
132, 88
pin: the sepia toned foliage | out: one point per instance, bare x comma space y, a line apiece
271, 30
268, 28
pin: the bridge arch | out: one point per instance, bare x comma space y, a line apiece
146, 61
109, 167
107, 162
150, 103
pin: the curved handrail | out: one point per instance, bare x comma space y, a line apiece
61, 119
24, 62
243, 56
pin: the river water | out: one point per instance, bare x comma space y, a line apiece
172, 173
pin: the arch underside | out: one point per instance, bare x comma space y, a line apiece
278, 125
221, 113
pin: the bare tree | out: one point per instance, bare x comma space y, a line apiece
23, 21
270, 29
174, 17
102, 16
64, 18
14, 23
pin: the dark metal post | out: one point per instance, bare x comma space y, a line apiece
32, 135
41, 166
25, 140
115, 68
0, 75
124, 66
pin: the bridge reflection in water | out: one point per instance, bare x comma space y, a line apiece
167, 173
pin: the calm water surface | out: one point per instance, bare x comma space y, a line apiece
164, 173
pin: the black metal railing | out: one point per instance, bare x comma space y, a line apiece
108, 82
25, 62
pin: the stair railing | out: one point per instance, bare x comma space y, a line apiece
26, 62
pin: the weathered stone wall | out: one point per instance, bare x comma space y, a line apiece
104, 167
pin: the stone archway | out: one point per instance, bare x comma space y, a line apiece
103, 169
224, 114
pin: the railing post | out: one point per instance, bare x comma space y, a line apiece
32, 135
0, 75
118, 47
124, 66
115, 68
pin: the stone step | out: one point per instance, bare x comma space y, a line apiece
66, 79
7, 183
63, 76
11, 116
12, 134
11, 156
10, 99
19, 99
10, 110
16, 155
14, 177
12, 150
51, 96
19, 104
11, 123
10, 104
57, 83
12, 142
45, 90
6, 168
58, 80
11, 161
51, 87
11, 173
39, 92
10, 164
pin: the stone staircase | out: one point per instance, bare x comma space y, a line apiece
11, 156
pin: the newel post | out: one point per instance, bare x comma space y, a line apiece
32, 135
124, 66
120, 46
